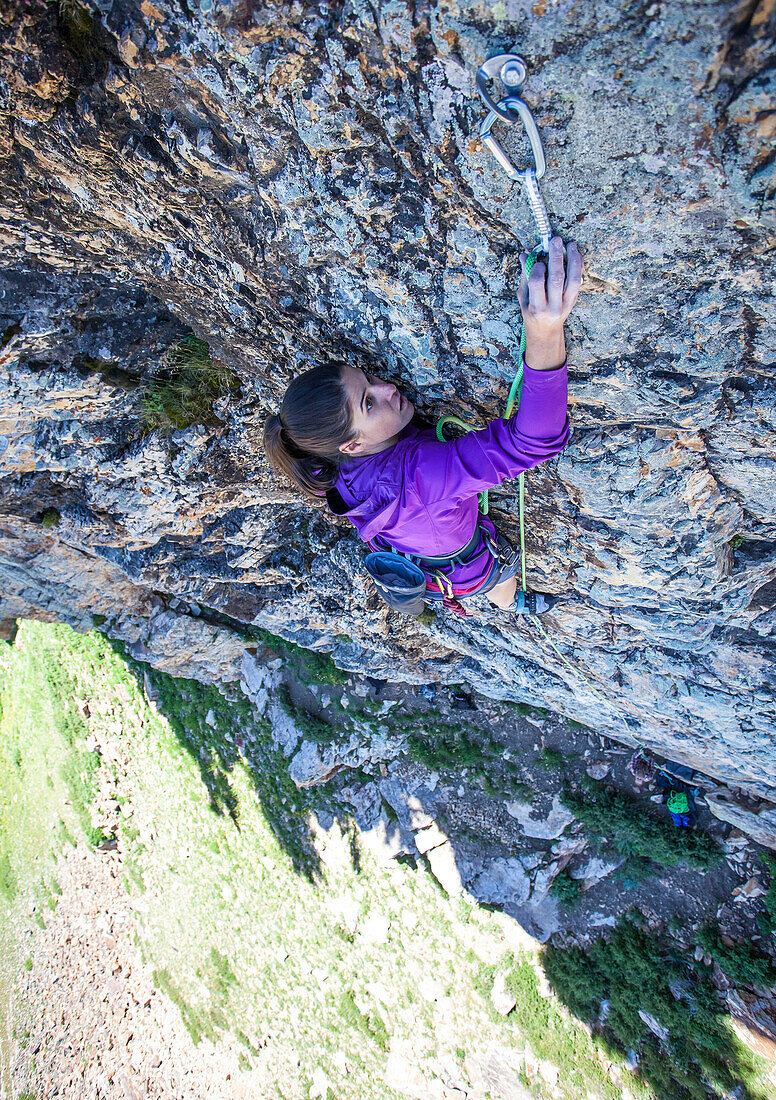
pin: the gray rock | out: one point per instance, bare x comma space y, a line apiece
444, 867
256, 680
599, 770
545, 828
502, 1000
385, 838
594, 870
543, 880
539, 917
569, 846
331, 207
654, 1025
285, 734
759, 824
497, 1072
366, 802
307, 767
502, 882
428, 838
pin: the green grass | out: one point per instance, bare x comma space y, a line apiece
369, 1024
526, 710
310, 726
566, 889
80, 765
448, 748
7, 877
46, 773
185, 394
197, 1024
50, 518
537, 1021
767, 918
312, 666
441, 744
551, 759
254, 919
742, 962
186, 704
634, 831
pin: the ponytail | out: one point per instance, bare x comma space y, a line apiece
303, 441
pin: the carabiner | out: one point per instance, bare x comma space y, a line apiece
512, 70
523, 112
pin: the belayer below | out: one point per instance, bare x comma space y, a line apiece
349, 437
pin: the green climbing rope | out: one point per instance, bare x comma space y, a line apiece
513, 402
515, 392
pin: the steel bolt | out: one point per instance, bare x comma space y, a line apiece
513, 74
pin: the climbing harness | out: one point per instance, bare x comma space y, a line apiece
512, 71
439, 588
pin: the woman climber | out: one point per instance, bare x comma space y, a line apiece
349, 437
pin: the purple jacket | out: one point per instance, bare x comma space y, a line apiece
420, 495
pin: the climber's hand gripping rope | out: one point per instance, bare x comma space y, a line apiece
547, 294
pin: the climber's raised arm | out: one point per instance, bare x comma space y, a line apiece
505, 448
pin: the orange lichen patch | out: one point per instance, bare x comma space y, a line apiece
765, 124
288, 71
150, 11
539, 8
683, 443
312, 109
478, 353
450, 37
762, 13
703, 140
757, 1041
760, 123
128, 51
48, 86
597, 284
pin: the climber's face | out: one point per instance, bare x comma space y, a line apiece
378, 411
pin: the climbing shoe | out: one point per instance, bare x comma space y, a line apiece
531, 603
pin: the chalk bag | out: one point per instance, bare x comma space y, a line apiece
400, 582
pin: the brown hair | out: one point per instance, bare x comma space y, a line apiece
303, 441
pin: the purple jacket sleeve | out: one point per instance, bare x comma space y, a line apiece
485, 458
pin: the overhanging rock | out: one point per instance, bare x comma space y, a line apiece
303, 180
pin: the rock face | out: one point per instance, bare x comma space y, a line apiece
759, 823
302, 180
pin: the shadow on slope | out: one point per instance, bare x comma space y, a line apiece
220, 733
650, 1001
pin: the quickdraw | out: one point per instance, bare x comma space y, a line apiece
512, 70
512, 109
